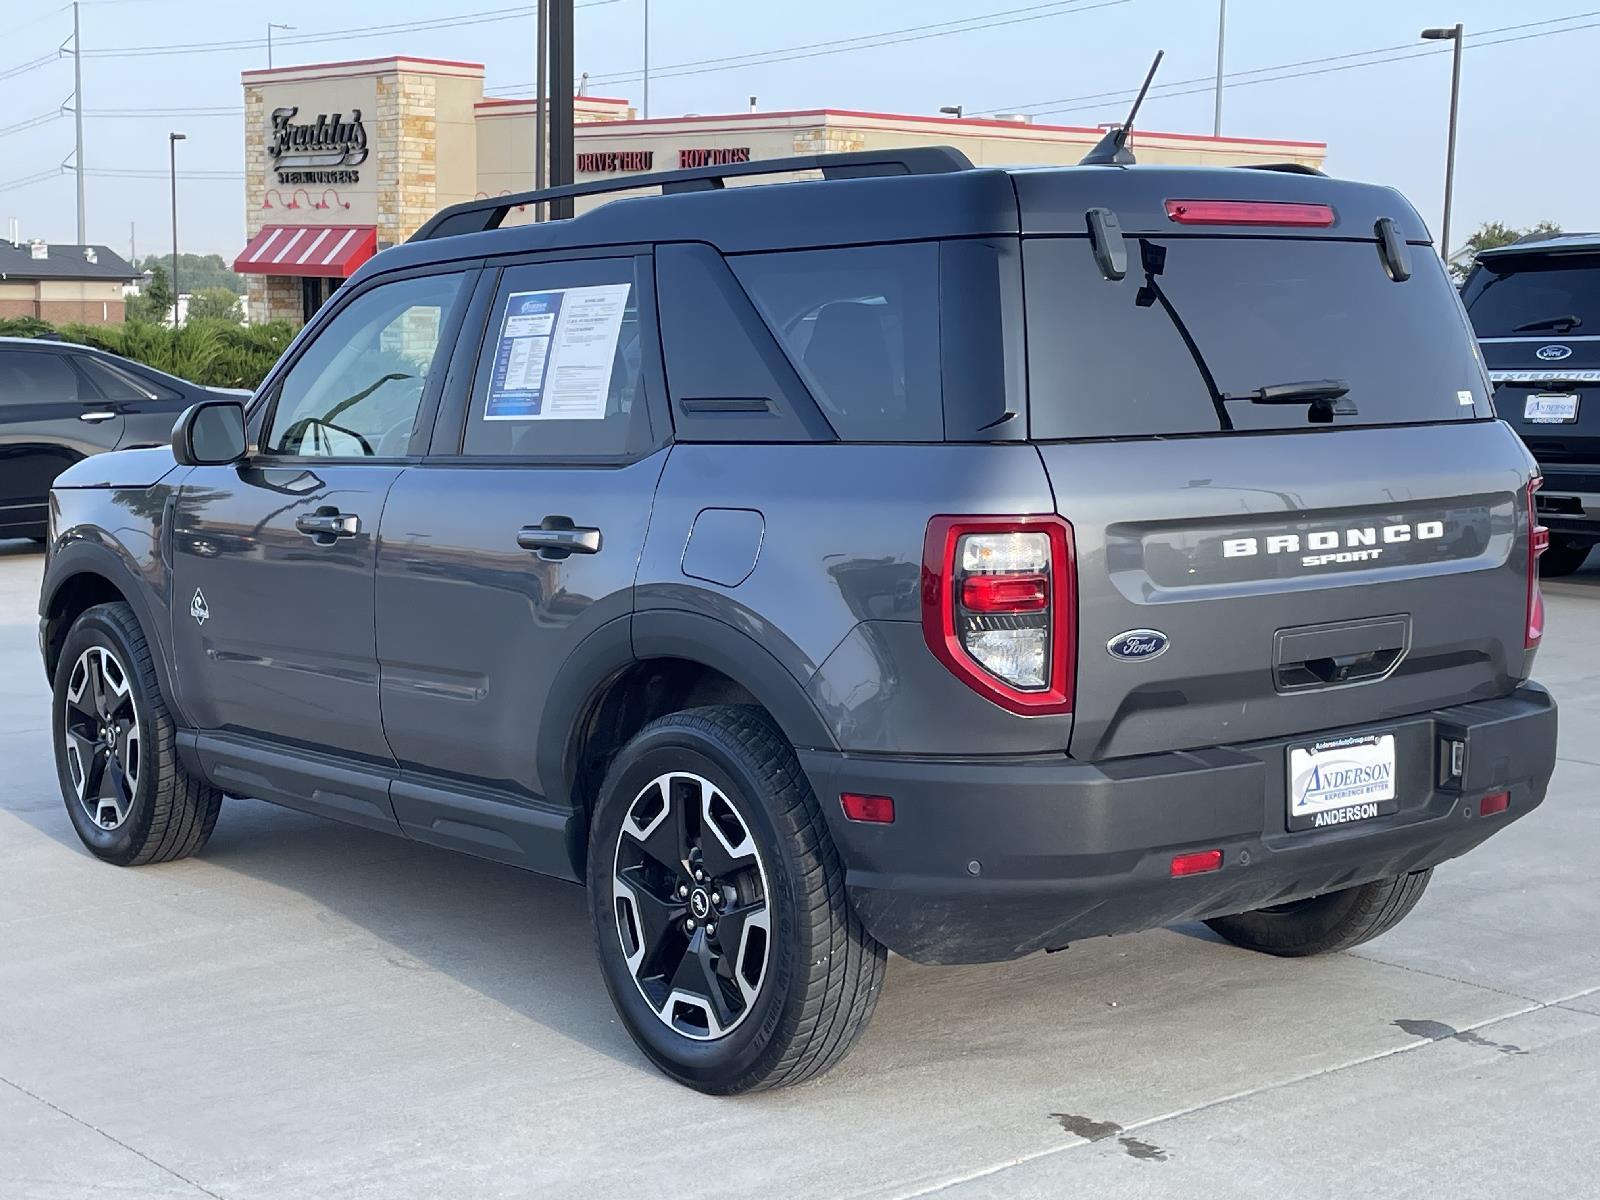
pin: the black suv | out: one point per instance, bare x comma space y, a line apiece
1536, 307
955, 561
61, 402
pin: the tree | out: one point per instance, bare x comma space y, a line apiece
154, 303
196, 271
214, 302
1489, 235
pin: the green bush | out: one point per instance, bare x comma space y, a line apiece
207, 351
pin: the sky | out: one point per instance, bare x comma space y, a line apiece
1527, 114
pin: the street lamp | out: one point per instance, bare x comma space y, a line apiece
951, 110
172, 153
1454, 34
270, 27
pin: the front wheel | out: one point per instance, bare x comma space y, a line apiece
725, 938
1326, 924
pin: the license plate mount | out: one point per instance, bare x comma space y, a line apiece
1550, 408
1338, 781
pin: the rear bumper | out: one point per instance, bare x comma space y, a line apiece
1569, 503
990, 859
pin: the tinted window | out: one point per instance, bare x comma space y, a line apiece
861, 325
31, 377
561, 372
116, 384
357, 389
1130, 358
1507, 293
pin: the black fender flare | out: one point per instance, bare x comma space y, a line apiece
80, 556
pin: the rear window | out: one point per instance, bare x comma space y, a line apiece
1131, 358
1535, 294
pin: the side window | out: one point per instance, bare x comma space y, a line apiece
118, 385
356, 391
561, 372
862, 327
35, 377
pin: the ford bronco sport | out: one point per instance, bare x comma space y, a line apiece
956, 561
1536, 307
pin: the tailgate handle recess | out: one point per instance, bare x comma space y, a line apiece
1338, 654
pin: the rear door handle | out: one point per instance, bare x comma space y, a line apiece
327, 527
557, 538
96, 416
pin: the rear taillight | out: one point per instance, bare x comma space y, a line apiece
998, 607
1249, 212
1538, 543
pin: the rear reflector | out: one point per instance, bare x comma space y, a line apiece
876, 810
1197, 863
1496, 803
1006, 593
1249, 212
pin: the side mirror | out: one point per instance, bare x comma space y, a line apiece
1105, 238
209, 434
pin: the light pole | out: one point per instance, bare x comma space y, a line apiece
172, 153
646, 60
1222, 38
1454, 34
952, 110
270, 27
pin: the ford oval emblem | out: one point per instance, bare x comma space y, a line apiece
1135, 645
1552, 353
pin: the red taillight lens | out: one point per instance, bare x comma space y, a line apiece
1197, 863
1249, 212
875, 810
1538, 543
998, 607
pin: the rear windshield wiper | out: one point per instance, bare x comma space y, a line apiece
1326, 398
1562, 324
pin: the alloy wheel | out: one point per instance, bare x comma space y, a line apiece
101, 719
690, 895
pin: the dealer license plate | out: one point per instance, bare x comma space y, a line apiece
1341, 780
1550, 408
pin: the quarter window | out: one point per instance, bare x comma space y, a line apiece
357, 389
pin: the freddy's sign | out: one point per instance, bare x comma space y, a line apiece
324, 151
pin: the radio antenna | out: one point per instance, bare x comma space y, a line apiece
1112, 150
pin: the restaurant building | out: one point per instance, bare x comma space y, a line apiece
343, 159
63, 284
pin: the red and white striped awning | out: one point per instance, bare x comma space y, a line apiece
331, 251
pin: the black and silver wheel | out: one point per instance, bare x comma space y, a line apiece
1565, 556
725, 938
1328, 923
129, 797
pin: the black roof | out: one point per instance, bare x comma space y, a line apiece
63, 262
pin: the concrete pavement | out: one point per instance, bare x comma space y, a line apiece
309, 1010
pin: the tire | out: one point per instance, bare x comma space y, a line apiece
1326, 924
146, 807
792, 994
1563, 557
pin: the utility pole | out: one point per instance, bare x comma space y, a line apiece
561, 148
77, 117
1222, 37
646, 60
133, 244
172, 149
541, 108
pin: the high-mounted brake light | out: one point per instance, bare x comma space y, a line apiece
999, 608
1249, 212
1538, 543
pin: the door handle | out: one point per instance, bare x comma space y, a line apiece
96, 416
328, 526
556, 538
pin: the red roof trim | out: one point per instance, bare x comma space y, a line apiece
260, 72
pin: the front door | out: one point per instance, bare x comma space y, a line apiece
273, 558
518, 538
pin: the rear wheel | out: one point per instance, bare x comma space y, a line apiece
1325, 924
724, 934
1564, 556
129, 797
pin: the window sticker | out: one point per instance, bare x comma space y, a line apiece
555, 355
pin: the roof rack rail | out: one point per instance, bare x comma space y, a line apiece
477, 216
1288, 168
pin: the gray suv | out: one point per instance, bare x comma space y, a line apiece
953, 561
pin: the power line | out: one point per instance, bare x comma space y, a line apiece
33, 64
1243, 78
32, 122
868, 41
164, 113
27, 180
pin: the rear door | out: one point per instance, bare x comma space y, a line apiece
50, 417
517, 539
1308, 564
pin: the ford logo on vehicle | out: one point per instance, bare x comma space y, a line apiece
1137, 644
1552, 353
